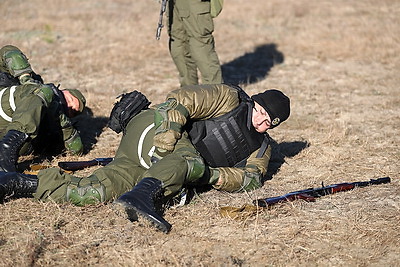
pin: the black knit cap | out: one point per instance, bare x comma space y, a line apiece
276, 104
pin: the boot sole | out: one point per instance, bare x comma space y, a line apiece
131, 213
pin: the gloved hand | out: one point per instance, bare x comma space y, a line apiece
237, 180
74, 144
168, 119
251, 181
166, 140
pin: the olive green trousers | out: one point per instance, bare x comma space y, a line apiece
191, 42
131, 163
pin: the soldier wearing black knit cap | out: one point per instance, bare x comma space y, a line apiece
201, 134
272, 104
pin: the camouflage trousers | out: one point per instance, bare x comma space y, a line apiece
131, 163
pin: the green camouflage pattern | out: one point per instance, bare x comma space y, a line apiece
13, 61
45, 93
74, 144
176, 169
87, 195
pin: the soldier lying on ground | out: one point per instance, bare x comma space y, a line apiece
33, 114
202, 134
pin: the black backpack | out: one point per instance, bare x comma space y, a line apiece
128, 106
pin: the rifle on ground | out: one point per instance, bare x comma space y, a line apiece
160, 20
79, 165
312, 193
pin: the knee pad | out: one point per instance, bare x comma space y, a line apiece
85, 191
196, 168
17, 63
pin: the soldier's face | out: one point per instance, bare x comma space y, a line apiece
72, 104
260, 119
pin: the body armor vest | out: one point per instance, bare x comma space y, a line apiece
228, 140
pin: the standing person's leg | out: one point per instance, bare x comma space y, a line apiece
179, 43
199, 27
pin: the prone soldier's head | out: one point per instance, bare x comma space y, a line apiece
75, 102
271, 108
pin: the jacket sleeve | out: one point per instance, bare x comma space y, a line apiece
206, 101
245, 178
197, 102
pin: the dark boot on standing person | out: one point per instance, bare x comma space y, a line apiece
10, 146
143, 200
17, 185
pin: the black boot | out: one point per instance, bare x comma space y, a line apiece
17, 185
9, 149
142, 200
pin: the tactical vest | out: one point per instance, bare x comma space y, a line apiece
228, 140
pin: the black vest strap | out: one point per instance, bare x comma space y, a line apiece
263, 147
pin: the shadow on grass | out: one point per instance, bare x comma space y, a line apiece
252, 67
90, 128
48, 146
280, 152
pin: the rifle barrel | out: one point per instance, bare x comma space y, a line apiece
312, 193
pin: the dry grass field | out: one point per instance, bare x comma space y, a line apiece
339, 62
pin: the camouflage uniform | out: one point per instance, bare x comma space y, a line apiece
182, 166
191, 41
32, 107
33, 111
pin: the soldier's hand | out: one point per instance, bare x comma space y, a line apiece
166, 140
168, 120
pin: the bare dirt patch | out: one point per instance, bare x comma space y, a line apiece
338, 61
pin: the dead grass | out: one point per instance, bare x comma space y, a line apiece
337, 60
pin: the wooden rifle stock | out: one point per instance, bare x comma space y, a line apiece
312, 193
79, 165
